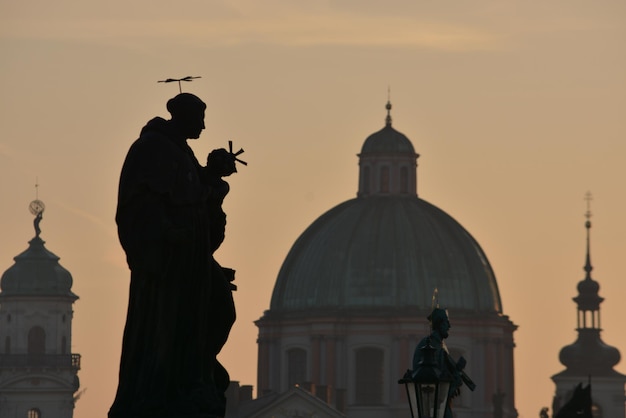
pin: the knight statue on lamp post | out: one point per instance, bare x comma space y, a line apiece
434, 346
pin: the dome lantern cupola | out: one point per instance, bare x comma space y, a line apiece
388, 163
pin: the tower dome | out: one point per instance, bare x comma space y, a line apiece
36, 271
387, 247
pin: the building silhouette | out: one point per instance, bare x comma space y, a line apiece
589, 360
352, 296
38, 372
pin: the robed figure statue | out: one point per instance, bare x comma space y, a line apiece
180, 310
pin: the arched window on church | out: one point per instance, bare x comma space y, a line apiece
34, 413
296, 366
36, 340
404, 180
384, 179
369, 379
36, 345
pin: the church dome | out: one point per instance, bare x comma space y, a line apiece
387, 248
36, 272
387, 252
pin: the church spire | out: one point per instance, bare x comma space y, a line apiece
589, 345
589, 357
588, 299
388, 107
588, 266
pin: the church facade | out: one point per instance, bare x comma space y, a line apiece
352, 296
38, 372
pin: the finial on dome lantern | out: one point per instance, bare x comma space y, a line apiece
588, 266
388, 107
36, 207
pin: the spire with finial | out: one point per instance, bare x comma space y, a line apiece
388, 107
588, 299
588, 266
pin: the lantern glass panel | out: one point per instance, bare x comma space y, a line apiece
411, 393
426, 394
444, 387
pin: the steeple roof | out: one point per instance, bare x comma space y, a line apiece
36, 271
589, 355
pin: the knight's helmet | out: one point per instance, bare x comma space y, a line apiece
437, 316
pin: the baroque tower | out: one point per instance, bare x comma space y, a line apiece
589, 359
38, 372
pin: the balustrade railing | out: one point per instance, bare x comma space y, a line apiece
40, 360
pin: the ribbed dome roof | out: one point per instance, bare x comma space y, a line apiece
388, 251
36, 272
387, 140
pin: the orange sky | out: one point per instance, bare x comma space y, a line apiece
517, 110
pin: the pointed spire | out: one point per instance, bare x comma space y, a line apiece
588, 267
388, 107
588, 299
589, 355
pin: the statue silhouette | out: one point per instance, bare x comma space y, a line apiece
440, 326
180, 310
579, 406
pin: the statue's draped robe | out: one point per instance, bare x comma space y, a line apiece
180, 307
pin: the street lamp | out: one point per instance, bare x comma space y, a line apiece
427, 386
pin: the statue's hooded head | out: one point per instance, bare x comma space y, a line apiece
187, 112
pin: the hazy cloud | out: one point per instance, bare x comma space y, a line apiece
290, 30
104, 225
